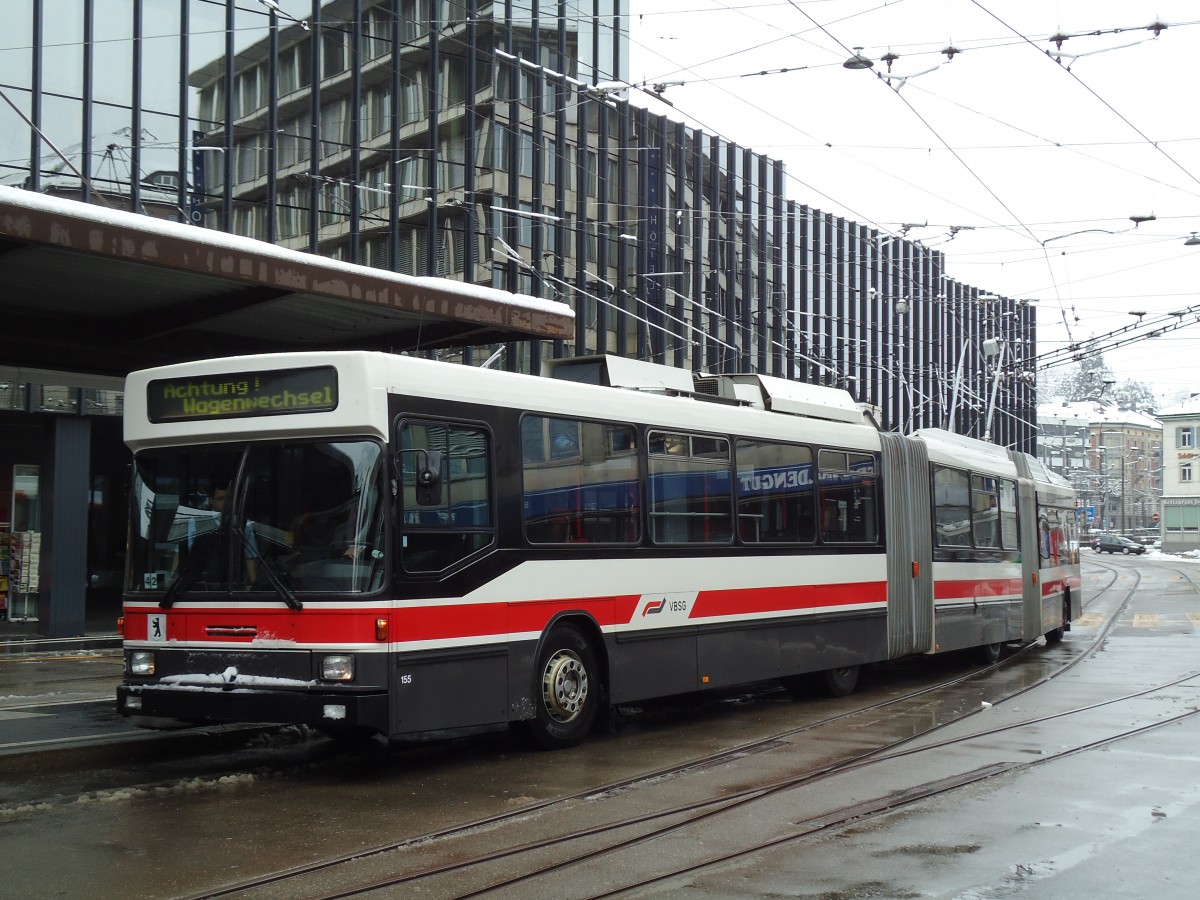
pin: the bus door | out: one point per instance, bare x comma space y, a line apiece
1031, 586
910, 545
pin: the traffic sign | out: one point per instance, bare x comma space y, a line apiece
1154, 518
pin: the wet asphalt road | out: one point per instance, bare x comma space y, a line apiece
143, 816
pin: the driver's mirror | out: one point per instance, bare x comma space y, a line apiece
429, 478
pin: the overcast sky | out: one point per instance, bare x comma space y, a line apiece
996, 156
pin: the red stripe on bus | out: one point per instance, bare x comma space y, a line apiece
242, 626
357, 626
794, 598
428, 623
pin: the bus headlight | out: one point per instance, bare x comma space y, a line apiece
141, 662
337, 668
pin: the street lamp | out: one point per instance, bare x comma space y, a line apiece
858, 61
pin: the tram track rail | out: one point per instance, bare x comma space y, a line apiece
867, 810
702, 810
699, 812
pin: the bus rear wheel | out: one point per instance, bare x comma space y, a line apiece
988, 653
567, 692
1055, 635
839, 682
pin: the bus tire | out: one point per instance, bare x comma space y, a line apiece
567, 690
988, 653
839, 682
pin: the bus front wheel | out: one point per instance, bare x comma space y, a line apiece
567, 692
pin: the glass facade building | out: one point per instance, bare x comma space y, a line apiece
496, 143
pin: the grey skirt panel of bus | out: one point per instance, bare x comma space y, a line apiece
910, 545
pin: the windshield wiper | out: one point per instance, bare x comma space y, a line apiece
281, 588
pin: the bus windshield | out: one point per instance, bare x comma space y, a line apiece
293, 518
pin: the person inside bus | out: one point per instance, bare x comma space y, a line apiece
330, 534
203, 533
220, 495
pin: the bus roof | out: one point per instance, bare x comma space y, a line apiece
366, 379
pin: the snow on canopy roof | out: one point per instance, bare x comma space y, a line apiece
151, 226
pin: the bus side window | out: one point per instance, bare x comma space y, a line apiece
847, 486
440, 528
690, 488
952, 507
775, 492
586, 489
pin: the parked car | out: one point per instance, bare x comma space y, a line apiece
1116, 543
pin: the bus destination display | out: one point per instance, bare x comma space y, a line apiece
273, 392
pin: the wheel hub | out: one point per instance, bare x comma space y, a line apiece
564, 686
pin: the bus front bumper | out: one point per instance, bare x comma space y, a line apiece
319, 709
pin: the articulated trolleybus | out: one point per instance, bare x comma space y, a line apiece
369, 543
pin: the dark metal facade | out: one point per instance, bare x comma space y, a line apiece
485, 142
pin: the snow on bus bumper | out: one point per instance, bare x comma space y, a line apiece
200, 703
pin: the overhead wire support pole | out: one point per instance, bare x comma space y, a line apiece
952, 415
991, 407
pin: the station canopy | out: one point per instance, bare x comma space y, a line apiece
94, 290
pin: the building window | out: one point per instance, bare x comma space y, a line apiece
412, 98
525, 164
333, 52
1185, 472
411, 178
1185, 437
415, 16
251, 159
335, 127
250, 91
375, 110
335, 202
376, 34
374, 189
1182, 518
295, 68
